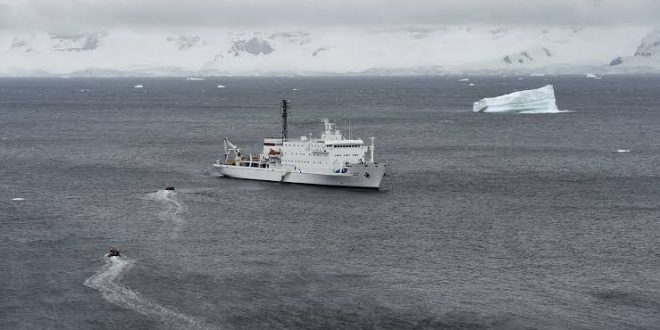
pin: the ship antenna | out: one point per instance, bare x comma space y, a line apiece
371, 149
285, 107
349, 124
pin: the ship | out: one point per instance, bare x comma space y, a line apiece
329, 160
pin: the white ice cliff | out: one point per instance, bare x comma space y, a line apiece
541, 100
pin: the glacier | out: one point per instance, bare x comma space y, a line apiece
540, 100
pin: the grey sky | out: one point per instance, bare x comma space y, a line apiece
101, 14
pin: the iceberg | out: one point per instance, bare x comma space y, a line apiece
541, 100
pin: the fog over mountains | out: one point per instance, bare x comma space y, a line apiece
402, 50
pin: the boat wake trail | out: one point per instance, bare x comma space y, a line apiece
174, 208
106, 280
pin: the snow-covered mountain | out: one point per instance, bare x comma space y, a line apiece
646, 56
397, 51
526, 57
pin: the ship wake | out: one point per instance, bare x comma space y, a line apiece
106, 280
172, 211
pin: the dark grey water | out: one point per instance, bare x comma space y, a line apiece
484, 220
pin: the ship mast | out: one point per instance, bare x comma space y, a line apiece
285, 107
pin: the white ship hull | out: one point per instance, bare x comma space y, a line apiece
329, 160
357, 175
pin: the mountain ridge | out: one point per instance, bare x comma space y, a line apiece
437, 50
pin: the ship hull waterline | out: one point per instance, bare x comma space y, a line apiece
357, 176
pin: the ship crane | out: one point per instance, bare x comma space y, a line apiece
231, 148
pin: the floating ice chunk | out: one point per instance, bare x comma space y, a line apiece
18, 199
221, 86
623, 150
138, 86
471, 84
195, 79
592, 76
464, 79
541, 100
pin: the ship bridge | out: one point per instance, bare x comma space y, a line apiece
329, 153
344, 143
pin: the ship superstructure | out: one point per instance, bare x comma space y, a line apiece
330, 159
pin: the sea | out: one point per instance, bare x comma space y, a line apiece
483, 221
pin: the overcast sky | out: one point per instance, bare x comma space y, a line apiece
52, 15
